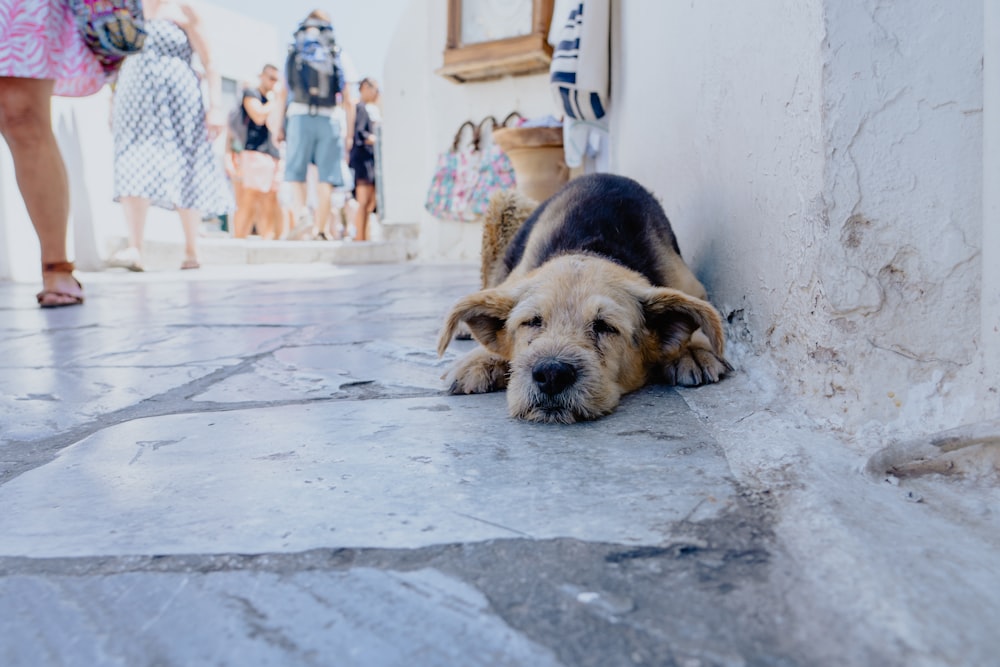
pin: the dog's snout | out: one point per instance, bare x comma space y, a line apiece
552, 376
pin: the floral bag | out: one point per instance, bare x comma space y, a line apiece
470, 172
112, 29
495, 171
454, 177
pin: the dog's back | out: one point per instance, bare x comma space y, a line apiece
602, 214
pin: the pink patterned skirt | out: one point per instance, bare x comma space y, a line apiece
39, 40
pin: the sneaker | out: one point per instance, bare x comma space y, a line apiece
302, 230
127, 258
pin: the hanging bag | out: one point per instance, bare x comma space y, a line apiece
111, 29
454, 177
495, 169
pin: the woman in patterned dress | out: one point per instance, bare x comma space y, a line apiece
162, 131
42, 54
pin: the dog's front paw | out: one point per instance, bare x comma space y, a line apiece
463, 332
478, 372
695, 366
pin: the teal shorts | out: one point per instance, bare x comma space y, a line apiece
313, 140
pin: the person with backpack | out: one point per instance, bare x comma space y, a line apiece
316, 83
258, 161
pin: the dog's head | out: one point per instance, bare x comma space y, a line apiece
578, 332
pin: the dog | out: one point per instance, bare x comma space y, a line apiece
584, 298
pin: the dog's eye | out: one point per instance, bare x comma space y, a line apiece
535, 322
600, 327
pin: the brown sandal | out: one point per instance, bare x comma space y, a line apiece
45, 296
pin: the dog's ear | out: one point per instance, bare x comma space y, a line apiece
675, 315
486, 314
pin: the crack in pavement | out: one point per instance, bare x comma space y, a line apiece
175, 401
715, 592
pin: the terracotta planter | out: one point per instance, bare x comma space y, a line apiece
537, 156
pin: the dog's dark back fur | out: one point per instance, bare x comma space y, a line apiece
603, 214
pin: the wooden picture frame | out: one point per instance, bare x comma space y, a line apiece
468, 60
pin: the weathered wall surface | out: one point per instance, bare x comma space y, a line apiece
899, 279
723, 125
826, 183
990, 301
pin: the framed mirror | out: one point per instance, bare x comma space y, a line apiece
493, 38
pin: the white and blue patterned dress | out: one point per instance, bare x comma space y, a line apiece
162, 150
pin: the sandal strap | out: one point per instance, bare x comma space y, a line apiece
58, 267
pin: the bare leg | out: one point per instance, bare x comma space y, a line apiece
350, 214
300, 195
365, 193
26, 125
191, 220
324, 197
246, 206
236, 180
273, 220
135, 209
300, 209
371, 211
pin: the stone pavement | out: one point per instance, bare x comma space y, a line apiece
258, 465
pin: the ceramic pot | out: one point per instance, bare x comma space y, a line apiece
537, 156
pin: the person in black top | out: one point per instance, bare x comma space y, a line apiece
363, 158
258, 162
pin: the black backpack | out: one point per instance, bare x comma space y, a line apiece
313, 68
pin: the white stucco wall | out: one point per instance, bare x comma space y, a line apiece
826, 183
990, 302
723, 126
422, 111
902, 266
241, 45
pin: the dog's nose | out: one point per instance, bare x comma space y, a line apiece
552, 377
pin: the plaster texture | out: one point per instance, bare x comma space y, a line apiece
258, 465
827, 185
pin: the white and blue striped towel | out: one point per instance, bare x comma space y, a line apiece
580, 61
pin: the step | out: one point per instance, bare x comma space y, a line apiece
220, 249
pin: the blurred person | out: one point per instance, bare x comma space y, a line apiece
231, 166
274, 213
42, 54
363, 158
232, 169
339, 224
258, 161
315, 82
162, 131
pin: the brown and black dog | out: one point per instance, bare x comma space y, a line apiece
585, 299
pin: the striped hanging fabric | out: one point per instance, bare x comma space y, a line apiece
580, 61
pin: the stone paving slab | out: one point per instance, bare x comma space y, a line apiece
365, 473
259, 465
363, 616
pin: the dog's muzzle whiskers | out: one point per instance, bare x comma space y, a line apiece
557, 389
